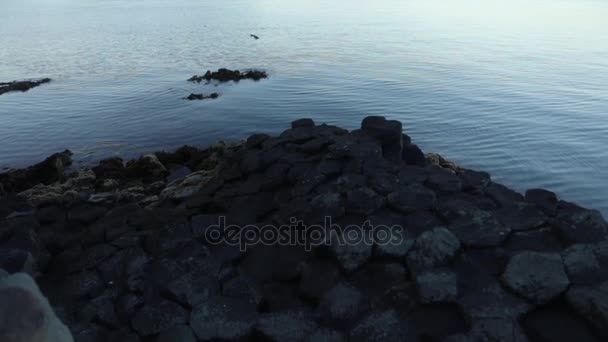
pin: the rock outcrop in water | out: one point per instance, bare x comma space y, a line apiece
194, 96
226, 75
387, 245
22, 86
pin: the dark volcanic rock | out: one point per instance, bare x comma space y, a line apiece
225, 75
416, 249
21, 86
46, 172
575, 224
194, 96
387, 132
536, 276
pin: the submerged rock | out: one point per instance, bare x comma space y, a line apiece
225, 75
194, 96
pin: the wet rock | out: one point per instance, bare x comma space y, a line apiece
381, 326
17, 261
434, 248
412, 198
437, 286
226, 75
155, 318
286, 326
46, 172
21, 86
575, 224
536, 276
387, 132
544, 199
223, 318
194, 96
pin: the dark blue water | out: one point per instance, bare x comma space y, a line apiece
517, 88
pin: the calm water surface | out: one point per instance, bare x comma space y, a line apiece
516, 88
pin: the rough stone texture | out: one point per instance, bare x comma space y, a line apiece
124, 252
536, 276
387, 132
432, 249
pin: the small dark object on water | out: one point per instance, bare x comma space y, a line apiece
254, 36
194, 96
22, 86
225, 75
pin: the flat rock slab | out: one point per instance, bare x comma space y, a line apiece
539, 277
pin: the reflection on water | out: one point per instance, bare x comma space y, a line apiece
516, 88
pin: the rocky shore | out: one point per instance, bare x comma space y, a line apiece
123, 251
